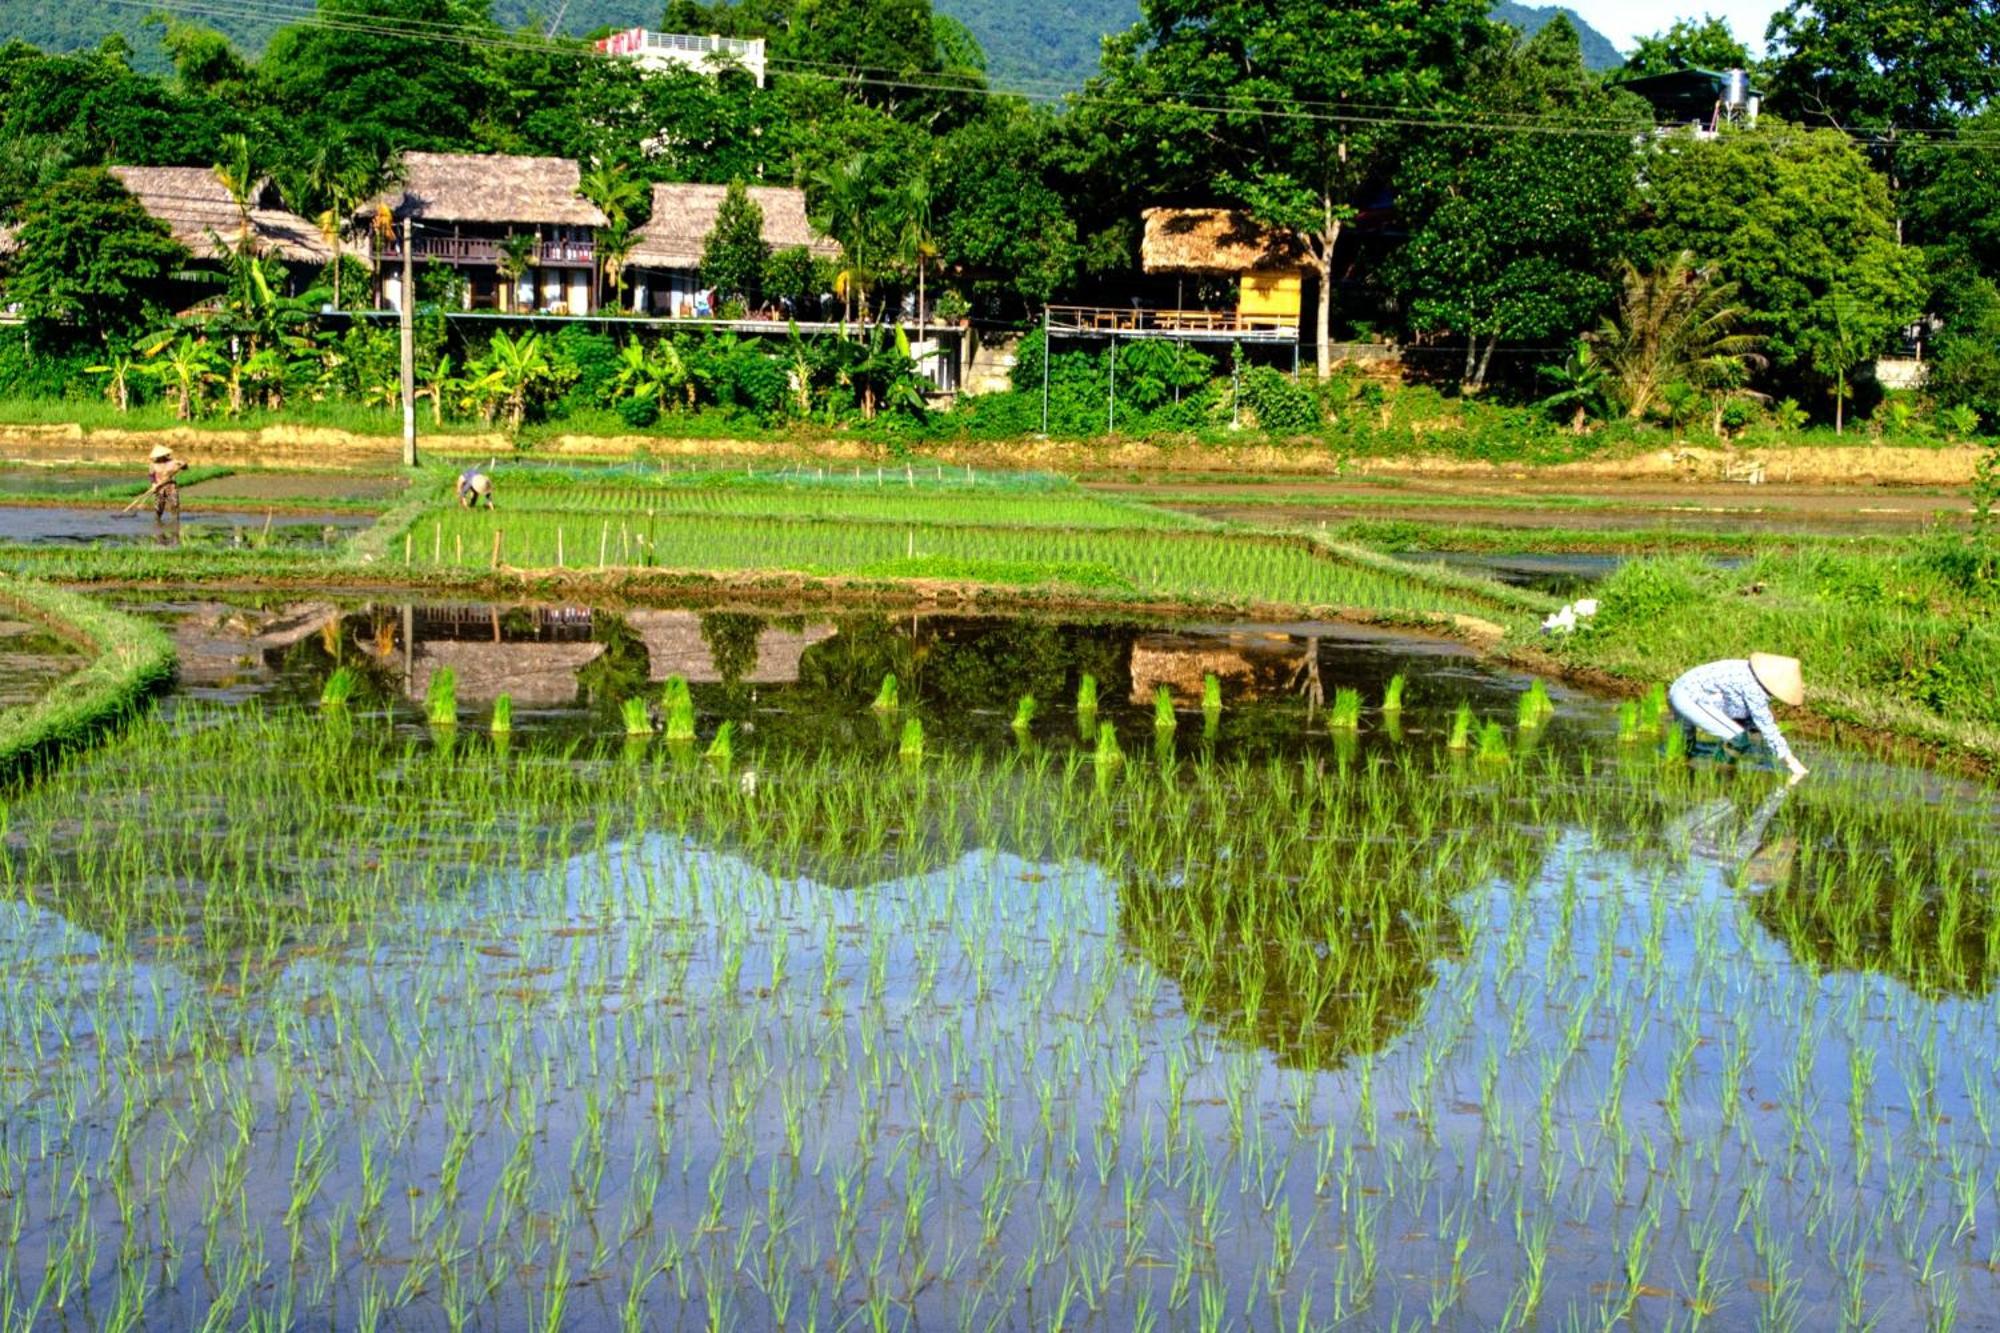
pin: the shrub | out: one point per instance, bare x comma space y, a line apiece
592, 358
1278, 403
1644, 591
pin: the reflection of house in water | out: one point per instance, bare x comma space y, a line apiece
217, 645
675, 646
533, 654
1248, 664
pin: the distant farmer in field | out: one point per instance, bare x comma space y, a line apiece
162, 486
1721, 701
473, 486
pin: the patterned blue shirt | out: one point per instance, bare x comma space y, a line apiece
1731, 688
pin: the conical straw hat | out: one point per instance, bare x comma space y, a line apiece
1779, 676
161, 453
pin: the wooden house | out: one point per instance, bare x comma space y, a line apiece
1267, 269
666, 261
205, 219
516, 228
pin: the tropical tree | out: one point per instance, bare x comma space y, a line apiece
118, 373
1674, 323
517, 369
655, 375
90, 258
916, 238
184, 366
619, 197
615, 244
239, 175
842, 195
733, 254
515, 261
1244, 98
1510, 236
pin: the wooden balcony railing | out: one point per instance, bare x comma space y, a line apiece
486, 250
1107, 320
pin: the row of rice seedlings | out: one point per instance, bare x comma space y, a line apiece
1202, 566
1279, 1039
926, 507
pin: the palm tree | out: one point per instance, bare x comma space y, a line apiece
343, 179
238, 173
845, 193
614, 249
1674, 323
915, 245
617, 196
516, 261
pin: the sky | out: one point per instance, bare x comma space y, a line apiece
1625, 21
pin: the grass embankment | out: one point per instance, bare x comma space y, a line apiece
1905, 642
130, 660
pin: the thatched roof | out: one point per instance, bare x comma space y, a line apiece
1213, 240
202, 216
537, 675
491, 188
684, 215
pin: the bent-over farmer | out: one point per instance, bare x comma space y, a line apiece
161, 484
473, 486
1723, 700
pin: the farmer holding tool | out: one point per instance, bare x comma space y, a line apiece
473, 486
1721, 701
162, 488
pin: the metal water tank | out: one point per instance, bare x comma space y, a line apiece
1735, 90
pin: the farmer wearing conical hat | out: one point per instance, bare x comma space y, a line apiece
164, 489
1721, 701
473, 486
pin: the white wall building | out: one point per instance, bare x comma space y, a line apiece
660, 50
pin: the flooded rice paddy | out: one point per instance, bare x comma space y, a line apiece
80, 525
31, 660
329, 1016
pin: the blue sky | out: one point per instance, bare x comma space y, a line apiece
1625, 21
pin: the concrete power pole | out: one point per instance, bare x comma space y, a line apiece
407, 309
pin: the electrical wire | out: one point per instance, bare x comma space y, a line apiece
1338, 114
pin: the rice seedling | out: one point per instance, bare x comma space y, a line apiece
1493, 744
1164, 718
637, 717
1024, 714
1655, 706
723, 748
886, 698
1086, 695
1392, 694
911, 746
1535, 706
677, 704
1629, 730
339, 688
503, 715
441, 698
1211, 694
1461, 728
1345, 715
1107, 755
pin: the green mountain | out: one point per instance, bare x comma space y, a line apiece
1035, 45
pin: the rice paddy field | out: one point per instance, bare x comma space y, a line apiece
364, 1000
608, 965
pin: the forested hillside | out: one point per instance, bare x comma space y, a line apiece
1029, 43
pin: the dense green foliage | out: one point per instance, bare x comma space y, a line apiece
1484, 225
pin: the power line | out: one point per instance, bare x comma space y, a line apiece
1338, 114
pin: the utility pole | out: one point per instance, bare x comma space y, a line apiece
409, 330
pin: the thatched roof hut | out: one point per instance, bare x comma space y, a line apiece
203, 218
492, 188
684, 215
1214, 241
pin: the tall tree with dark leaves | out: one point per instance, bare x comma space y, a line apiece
1884, 65
1290, 108
1512, 232
385, 74
90, 258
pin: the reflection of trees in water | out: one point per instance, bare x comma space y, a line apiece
732, 638
1895, 887
622, 671
1308, 932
